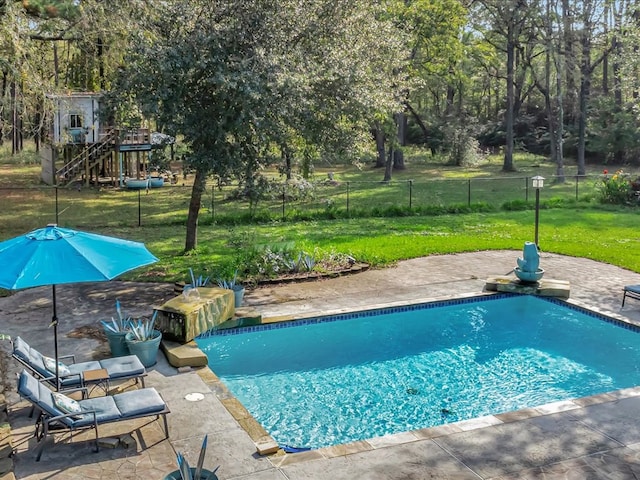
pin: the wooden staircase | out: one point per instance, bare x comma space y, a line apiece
88, 158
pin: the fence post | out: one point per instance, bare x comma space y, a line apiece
284, 196
348, 199
526, 189
410, 193
139, 209
469, 192
577, 181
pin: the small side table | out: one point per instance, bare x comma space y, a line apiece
98, 378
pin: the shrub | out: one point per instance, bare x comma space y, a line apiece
618, 188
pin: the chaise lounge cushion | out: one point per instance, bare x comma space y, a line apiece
119, 367
37, 393
123, 366
105, 408
22, 350
139, 402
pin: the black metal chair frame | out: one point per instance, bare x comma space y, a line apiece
632, 291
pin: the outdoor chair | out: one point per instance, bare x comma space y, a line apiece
632, 291
60, 413
118, 368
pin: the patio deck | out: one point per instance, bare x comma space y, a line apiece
592, 438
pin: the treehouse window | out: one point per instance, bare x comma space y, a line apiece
75, 120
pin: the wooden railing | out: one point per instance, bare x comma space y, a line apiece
138, 136
88, 158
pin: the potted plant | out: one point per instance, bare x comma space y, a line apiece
185, 472
233, 284
116, 331
143, 340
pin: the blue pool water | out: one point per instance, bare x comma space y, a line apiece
328, 381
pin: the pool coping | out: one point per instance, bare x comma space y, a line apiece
279, 458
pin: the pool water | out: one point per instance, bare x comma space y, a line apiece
329, 381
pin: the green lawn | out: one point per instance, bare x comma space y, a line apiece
607, 236
579, 228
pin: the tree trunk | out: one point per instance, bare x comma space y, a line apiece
379, 137
3, 93
14, 119
570, 63
555, 116
398, 159
582, 124
419, 121
38, 130
398, 154
586, 70
388, 165
617, 80
450, 98
508, 152
100, 55
605, 62
199, 185
401, 121
286, 158
560, 121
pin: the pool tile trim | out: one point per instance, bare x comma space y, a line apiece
362, 313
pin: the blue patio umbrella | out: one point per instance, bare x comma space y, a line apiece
55, 256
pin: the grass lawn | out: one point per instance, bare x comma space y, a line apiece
606, 236
585, 228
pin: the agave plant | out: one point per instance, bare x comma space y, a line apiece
121, 324
196, 282
230, 283
185, 470
142, 328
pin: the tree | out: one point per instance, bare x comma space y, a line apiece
238, 78
507, 23
433, 31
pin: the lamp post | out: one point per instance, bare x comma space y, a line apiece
538, 183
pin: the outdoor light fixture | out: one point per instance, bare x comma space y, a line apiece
538, 183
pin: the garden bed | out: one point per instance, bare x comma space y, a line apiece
311, 276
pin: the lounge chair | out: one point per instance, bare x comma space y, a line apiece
59, 413
632, 291
118, 368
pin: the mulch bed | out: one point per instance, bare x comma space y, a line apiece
311, 276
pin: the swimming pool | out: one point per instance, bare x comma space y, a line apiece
334, 380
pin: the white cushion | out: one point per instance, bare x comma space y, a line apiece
50, 364
65, 404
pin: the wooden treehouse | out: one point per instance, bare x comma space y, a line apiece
81, 149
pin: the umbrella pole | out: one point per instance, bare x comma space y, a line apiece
54, 323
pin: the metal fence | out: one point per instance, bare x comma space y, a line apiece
22, 209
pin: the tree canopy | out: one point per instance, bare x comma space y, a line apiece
242, 81
246, 84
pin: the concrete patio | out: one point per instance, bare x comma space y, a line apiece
591, 438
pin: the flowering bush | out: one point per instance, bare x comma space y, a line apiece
618, 188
